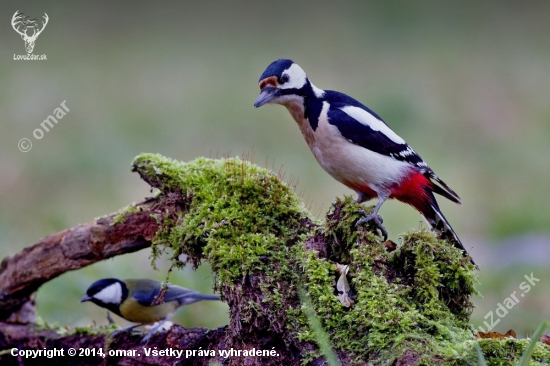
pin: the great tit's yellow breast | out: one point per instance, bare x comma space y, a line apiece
133, 311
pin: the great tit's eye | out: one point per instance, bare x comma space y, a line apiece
284, 79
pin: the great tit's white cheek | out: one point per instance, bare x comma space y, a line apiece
110, 295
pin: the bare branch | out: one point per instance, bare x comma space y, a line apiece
70, 250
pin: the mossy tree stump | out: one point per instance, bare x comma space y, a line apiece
411, 303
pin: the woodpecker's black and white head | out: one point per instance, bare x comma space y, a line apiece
284, 82
108, 293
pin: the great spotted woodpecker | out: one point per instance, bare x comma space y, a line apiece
357, 148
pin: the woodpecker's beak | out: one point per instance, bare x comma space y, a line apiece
268, 93
85, 298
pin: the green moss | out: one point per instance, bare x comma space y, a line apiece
93, 330
121, 214
398, 310
249, 225
238, 213
239, 217
507, 352
63, 330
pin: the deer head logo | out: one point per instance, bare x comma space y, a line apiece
22, 24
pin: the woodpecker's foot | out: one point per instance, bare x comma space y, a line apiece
376, 220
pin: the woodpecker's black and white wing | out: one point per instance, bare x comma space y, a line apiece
361, 126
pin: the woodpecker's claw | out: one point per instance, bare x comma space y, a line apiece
376, 220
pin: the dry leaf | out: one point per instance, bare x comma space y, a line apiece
342, 285
509, 334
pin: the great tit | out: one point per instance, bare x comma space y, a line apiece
132, 299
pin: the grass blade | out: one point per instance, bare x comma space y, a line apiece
320, 335
526, 356
480, 356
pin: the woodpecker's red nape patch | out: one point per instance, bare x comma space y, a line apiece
413, 191
271, 81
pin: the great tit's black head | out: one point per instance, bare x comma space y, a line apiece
283, 79
107, 292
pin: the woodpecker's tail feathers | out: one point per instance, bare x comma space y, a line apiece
446, 191
439, 223
442, 192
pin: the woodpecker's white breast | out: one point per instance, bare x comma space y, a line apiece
350, 164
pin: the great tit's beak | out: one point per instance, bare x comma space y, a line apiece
268, 93
85, 298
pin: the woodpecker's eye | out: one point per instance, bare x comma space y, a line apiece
284, 79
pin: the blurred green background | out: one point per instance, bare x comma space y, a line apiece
466, 83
